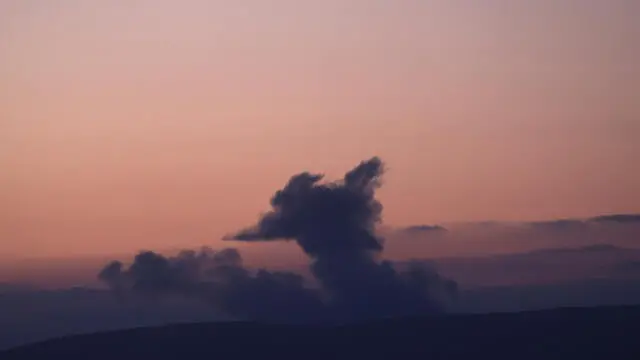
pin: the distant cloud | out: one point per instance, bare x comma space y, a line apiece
544, 266
477, 239
424, 228
561, 224
566, 224
618, 218
598, 248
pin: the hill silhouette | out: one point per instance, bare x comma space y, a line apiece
584, 333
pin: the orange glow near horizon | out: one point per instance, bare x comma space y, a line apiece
154, 124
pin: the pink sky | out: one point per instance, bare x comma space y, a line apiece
155, 124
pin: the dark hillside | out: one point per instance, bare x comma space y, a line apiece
596, 333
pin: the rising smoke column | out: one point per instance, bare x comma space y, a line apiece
334, 224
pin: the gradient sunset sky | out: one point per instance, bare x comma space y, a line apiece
128, 124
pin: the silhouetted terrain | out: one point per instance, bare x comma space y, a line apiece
30, 316
603, 333
598, 275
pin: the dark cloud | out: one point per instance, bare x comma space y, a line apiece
573, 224
424, 228
558, 225
591, 249
324, 219
334, 224
617, 218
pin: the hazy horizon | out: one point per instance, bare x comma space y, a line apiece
422, 242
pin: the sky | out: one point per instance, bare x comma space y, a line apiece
152, 124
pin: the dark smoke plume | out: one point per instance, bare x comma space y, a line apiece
334, 224
220, 279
